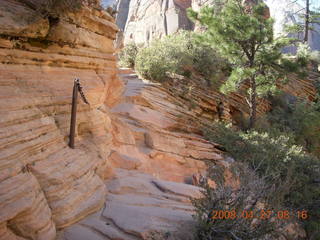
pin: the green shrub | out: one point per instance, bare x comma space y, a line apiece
294, 174
180, 53
301, 120
127, 56
155, 61
253, 191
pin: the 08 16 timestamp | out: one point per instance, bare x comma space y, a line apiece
260, 214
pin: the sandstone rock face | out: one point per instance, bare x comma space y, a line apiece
147, 20
141, 21
122, 16
139, 206
135, 147
153, 156
21, 21
44, 184
149, 136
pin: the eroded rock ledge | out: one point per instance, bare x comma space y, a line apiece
46, 186
135, 148
153, 157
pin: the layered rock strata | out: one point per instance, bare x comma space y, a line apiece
154, 156
134, 141
44, 184
152, 136
157, 147
139, 206
142, 20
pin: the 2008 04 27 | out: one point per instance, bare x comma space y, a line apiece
261, 214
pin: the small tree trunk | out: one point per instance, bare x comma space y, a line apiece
307, 22
253, 103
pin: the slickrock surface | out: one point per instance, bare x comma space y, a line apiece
153, 156
44, 184
149, 135
139, 206
135, 148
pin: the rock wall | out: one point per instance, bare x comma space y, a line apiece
154, 154
147, 20
44, 184
132, 135
122, 15
151, 134
142, 20
142, 15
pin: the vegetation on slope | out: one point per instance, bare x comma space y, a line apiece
300, 120
243, 34
128, 55
287, 179
180, 53
277, 160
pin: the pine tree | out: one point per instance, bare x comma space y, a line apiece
243, 34
309, 18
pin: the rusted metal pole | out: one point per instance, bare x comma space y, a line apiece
73, 113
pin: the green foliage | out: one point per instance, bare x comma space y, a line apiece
127, 56
300, 26
295, 29
303, 54
253, 191
293, 173
244, 36
155, 61
301, 120
180, 53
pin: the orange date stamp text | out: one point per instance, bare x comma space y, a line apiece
260, 214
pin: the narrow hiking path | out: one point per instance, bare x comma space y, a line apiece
153, 157
150, 136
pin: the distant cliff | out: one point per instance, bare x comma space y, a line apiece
284, 12
143, 20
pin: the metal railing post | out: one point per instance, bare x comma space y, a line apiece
73, 113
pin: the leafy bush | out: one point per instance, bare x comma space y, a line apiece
180, 53
294, 174
128, 54
301, 120
254, 191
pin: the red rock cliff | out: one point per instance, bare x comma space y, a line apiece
44, 184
